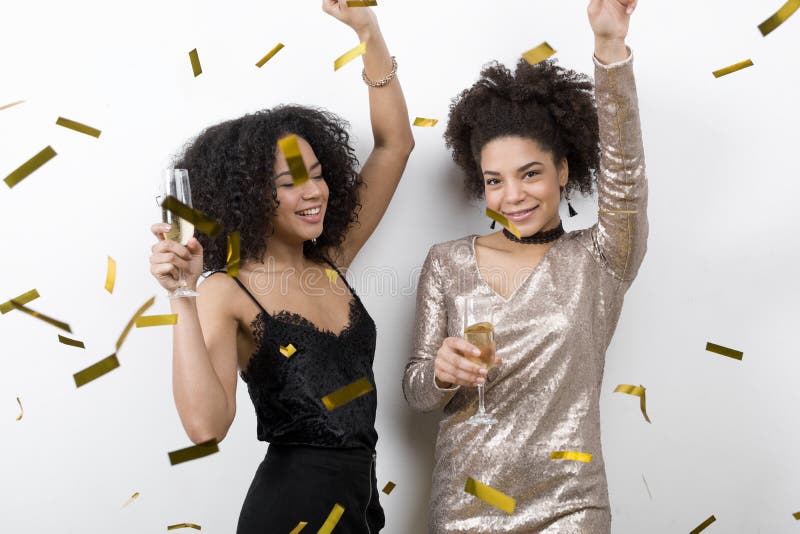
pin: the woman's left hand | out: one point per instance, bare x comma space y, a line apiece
358, 18
610, 18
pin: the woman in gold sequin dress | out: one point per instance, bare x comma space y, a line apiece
525, 140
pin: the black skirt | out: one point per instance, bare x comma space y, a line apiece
297, 483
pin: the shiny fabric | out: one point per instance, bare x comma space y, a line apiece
552, 335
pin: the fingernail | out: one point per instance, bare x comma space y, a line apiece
483, 372
476, 352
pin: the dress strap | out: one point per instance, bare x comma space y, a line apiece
240, 284
341, 276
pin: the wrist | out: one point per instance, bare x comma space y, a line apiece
610, 50
367, 29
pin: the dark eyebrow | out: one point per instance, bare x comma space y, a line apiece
287, 173
523, 168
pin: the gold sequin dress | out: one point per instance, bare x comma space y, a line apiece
552, 335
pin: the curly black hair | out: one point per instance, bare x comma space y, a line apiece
231, 168
544, 102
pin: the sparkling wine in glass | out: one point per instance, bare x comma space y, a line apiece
479, 331
176, 183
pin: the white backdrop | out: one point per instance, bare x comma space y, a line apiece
721, 265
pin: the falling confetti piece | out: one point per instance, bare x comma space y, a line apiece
490, 495
503, 221
291, 152
195, 59
288, 350
144, 321
111, 275
571, 455
78, 127
333, 519
19, 301
42, 317
95, 371
300, 526
201, 222
421, 121
332, 275
349, 56
12, 104
194, 452
724, 351
269, 55
130, 324
24, 170
71, 342
21, 411
232, 262
780, 16
389, 487
539, 54
362, 3
702, 526
636, 391
647, 487
184, 525
131, 499
346, 394
733, 68
796, 515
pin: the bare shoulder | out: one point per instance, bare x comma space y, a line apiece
218, 296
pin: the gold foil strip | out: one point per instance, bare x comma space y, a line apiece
24, 170
19, 301
489, 495
131, 499
504, 222
584, 457
195, 59
618, 212
12, 104
724, 351
200, 220
780, 16
346, 394
232, 262
144, 321
42, 317
539, 54
288, 350
349, 56
362, 3
300, 526
423, 122
702, 526
95, 371
130, 324
636, 391
194, 452
71, 342
291, 151
332, 275
733, 68
270, 54
111, 275
78, 127
21, 411
185, 525
796, 515
333, 518
389, 487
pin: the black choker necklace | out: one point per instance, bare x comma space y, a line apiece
538, 238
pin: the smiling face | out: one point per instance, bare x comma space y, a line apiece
523, 182
301, 209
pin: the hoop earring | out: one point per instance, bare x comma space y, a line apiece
314, 242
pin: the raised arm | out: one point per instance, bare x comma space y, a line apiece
391, 130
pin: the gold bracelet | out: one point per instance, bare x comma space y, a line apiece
380, 83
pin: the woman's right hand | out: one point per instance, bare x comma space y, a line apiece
451, 367
169, 257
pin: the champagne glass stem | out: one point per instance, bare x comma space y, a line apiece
481, 408
181, 279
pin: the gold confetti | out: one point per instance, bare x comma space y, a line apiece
332, 275
389, 487
291, 151
490, 495
19, 301
786, 11
194, 452
333, 519
362, 3
733, 68
24, 170
95, 371
288, 350
184, 525
503, 221
421, 121
636, 391
21, 411
539, 54
724, 351
71, 342
111, 275
12, 104
42, 317
156, 320
195, 59
130, 324
269, 55
571, 455
78, 127
796, 515
300, 526
201, 222
349, 56
232, 263
346, 394
132, 498
702, 526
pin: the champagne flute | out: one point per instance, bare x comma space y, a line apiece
479, 331
175, 183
